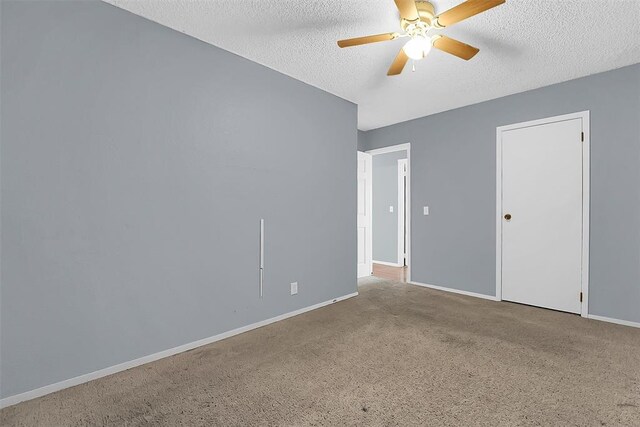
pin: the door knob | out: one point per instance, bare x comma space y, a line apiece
507, 217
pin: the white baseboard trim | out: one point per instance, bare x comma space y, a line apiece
492, 298
390, 264
32, 394
455, 291
612, 320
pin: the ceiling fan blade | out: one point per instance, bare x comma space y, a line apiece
398, 64
408, 9
454, 47
367, 39
465, 10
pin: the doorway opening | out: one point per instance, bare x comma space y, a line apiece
390, 212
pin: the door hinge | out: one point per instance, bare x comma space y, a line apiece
582, 136
580, 296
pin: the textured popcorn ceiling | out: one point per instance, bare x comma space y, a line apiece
524, 44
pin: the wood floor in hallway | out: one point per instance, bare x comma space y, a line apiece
398, 274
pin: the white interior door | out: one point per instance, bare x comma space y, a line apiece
365, 246
542, 215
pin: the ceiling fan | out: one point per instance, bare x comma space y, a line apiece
417, 20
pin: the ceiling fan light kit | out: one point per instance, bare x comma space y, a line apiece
417, 20
418, 47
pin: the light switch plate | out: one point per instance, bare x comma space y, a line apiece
294, 288
425, 210
391, 208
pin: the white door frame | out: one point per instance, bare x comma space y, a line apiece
402, 199
584, 115
391, 149
368, 249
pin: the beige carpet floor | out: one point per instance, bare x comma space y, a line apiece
395, 355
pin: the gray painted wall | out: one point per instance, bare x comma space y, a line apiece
385, 194
136, 163
453, 165
361, 139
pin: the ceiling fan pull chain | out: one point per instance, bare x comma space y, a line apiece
413, 66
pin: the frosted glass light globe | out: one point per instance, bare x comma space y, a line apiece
418, 47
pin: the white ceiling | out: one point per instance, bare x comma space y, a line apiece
524, 44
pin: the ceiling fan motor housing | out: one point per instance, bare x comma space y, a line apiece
426, 11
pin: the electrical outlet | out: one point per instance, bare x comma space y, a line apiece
294, 288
